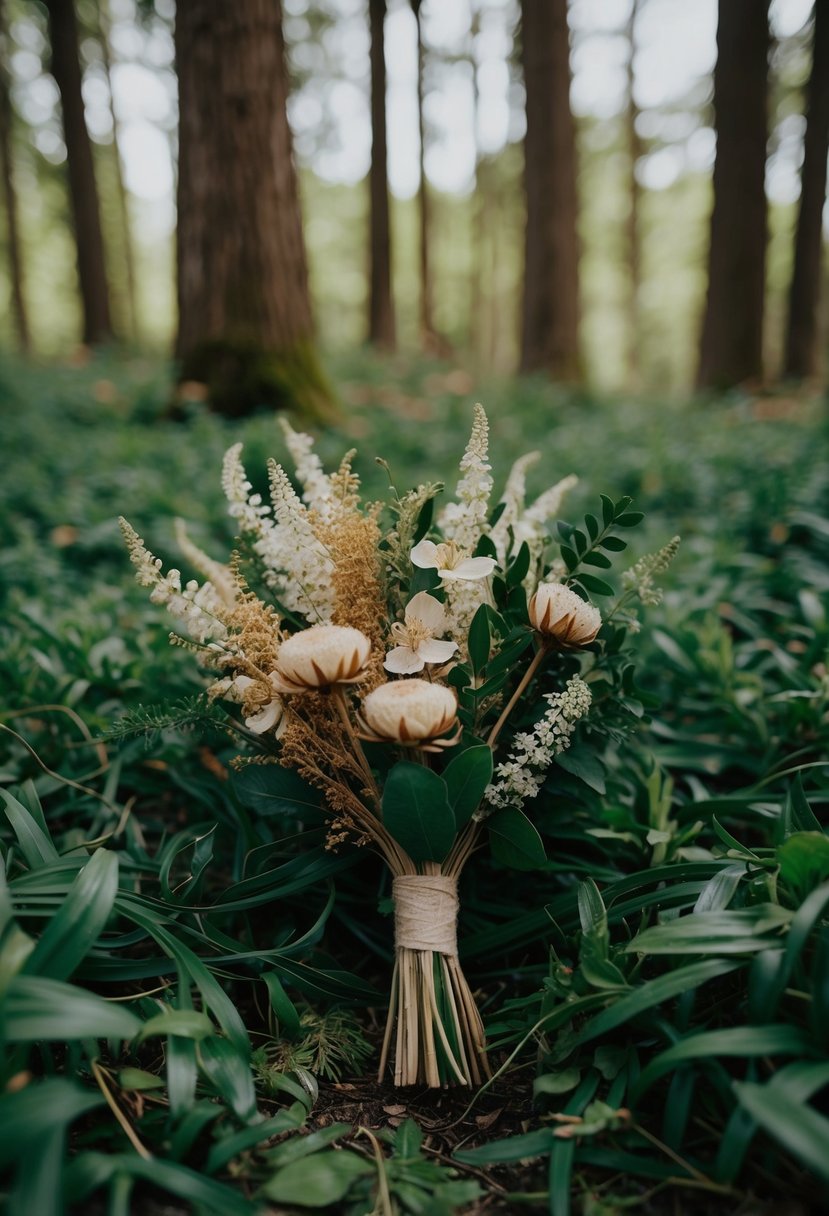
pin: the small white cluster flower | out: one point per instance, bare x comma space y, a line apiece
253, 514
304, 581
522, 774
197, 607
463, 521
640, 577
315, 482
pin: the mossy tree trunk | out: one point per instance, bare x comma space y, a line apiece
551, 309
381, 323
802, 356
731, 347
245, 323
16, 276
83, 191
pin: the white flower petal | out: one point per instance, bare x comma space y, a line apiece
433, 651
430, 612
266, 718
424, 555
470, 568
403, 661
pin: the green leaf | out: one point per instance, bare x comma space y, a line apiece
597, 585
272, 790
178, 1024
515, 841
319, 1180
556, 1082
35, 845
629, 520
136, 1079
229, 1071
513, 1148
478, 641
597, 559
715, 932
38, 1108
614, 544
416, 811
228, 1147
583, 763
774, 1040
569, 556
282, 1005
519, 569
592, 525
798, 1127
38, 1008
804, 861
467, 775
79, 921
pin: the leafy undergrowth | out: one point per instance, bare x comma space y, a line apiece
192, 987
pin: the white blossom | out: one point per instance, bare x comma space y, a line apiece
513, 500
522, 774
450, 561
464, 520
315, 482
417, 636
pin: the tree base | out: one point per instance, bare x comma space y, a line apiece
240, 378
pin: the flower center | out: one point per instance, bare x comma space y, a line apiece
448, 555
412, 633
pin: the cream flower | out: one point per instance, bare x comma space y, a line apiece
418, 644
411, 712
271, 715
556, 610
451, 562
320, 656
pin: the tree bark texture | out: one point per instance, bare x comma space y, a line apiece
245, 323
802, 356
634, 242
426, 316
551, 308
83, 192
381, 323
16, 275
731, 347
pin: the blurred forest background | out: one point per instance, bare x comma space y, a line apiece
601, 261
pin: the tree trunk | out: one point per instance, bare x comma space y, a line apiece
634, 249
550, 332
245, 324
86, 215
731, 348
18, 294
123, 200
427, 327
381, 327
801, 358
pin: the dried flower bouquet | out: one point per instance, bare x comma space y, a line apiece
432, 643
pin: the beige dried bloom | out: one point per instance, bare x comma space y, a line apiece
557, 612
321, 656
410, 712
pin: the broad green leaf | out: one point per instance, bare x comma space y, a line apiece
716, 932
467, 775
478, 641
92, 1170
228, 1147
39, 1008
556, 1082
319, 1180
595, 585
583, 763
515, 841
774, 1040
138, 1080
179, 1024
304, 1146
513, 1148
34, 843
796, 1126
282, 1005
37, 1109
79, 921
229, 1071
416, 811
272, 790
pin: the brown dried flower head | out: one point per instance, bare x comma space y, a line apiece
558, 613
321, 656
411, 712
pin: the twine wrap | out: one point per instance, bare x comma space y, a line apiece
426, 913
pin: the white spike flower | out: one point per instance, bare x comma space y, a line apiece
418, 636
321, 656
316, 483
411, 712
450, 561
557, 612
464, 521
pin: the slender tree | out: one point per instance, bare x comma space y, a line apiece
245, 323
550, 331
18, 293
731, 348
86, 212
801, 355
381, 326
426, 317
121, 189
634, 249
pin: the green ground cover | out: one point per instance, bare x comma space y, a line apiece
190, 986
